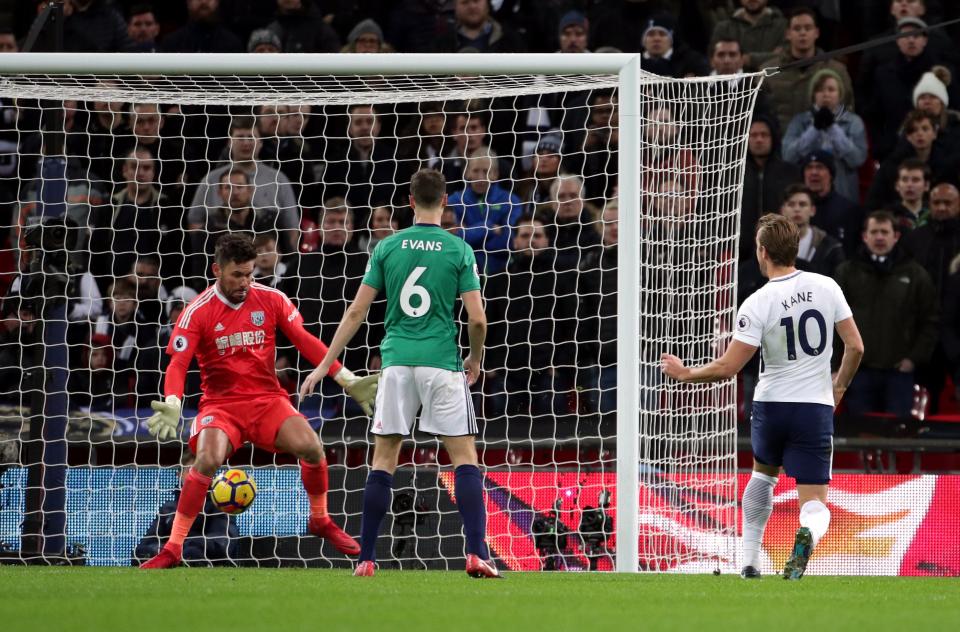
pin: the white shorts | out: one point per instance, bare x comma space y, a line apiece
444, 395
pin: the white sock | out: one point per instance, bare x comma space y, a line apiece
815, 516
757, 506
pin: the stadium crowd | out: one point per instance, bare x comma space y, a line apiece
861, 152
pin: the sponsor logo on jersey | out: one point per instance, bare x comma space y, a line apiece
257, 318
219, 327
476, 272
292, 315
180, 343
743, 323
240, 339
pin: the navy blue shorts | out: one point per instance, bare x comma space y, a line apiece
797, 436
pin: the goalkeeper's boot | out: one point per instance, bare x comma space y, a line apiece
749, 572
482, 568
802, 548
168, 557
324, 527
365, 569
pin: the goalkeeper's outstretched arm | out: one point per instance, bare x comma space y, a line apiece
359, 388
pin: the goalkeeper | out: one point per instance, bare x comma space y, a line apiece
231, 327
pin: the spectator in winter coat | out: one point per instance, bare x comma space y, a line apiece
913, 184
921, 141
531, 343
759, 29
790, 88
271, 189
931, 97
301, 29
474, 28
895, 305
203, 33
837, 215
664, 54
94, 26
765, 178
935, 244
889, 93
597, 328
818, 252
487, 211
828, 126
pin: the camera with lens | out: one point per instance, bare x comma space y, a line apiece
596, 526
550, 540
54, 260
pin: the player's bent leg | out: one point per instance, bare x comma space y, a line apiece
756, 509
296, 437
377, 495
213, 448
468, 489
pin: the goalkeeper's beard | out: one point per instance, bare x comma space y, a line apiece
236, 296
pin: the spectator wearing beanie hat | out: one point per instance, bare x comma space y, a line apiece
930, 96
366, 37
573, 33
263, 41
836, 214
830, 127
665, 55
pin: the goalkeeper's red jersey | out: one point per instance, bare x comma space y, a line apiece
235, 344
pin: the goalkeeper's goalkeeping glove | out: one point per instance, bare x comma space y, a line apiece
163, 423
363, 390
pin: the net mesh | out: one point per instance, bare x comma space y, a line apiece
145, 171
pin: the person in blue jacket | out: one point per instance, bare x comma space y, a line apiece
486, 212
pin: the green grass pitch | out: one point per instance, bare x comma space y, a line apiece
234, 600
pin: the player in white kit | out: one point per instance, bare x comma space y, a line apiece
791, 319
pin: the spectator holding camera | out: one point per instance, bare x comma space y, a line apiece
829, 126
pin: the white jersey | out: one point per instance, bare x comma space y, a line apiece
792, 319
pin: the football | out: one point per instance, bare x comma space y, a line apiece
233, 491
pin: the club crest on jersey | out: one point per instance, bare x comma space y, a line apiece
257, 318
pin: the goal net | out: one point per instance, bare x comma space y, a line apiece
115, 187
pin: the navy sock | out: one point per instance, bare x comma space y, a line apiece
468, 487
376, 503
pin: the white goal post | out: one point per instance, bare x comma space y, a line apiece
678, 231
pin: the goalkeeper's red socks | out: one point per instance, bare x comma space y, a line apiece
468, 488
192, 496
376, 503
316, 481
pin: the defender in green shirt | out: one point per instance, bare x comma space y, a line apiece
422, 270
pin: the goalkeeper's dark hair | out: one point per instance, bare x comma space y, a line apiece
780, 238
235, 248
428, 187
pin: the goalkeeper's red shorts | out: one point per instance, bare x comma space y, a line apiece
255, 421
